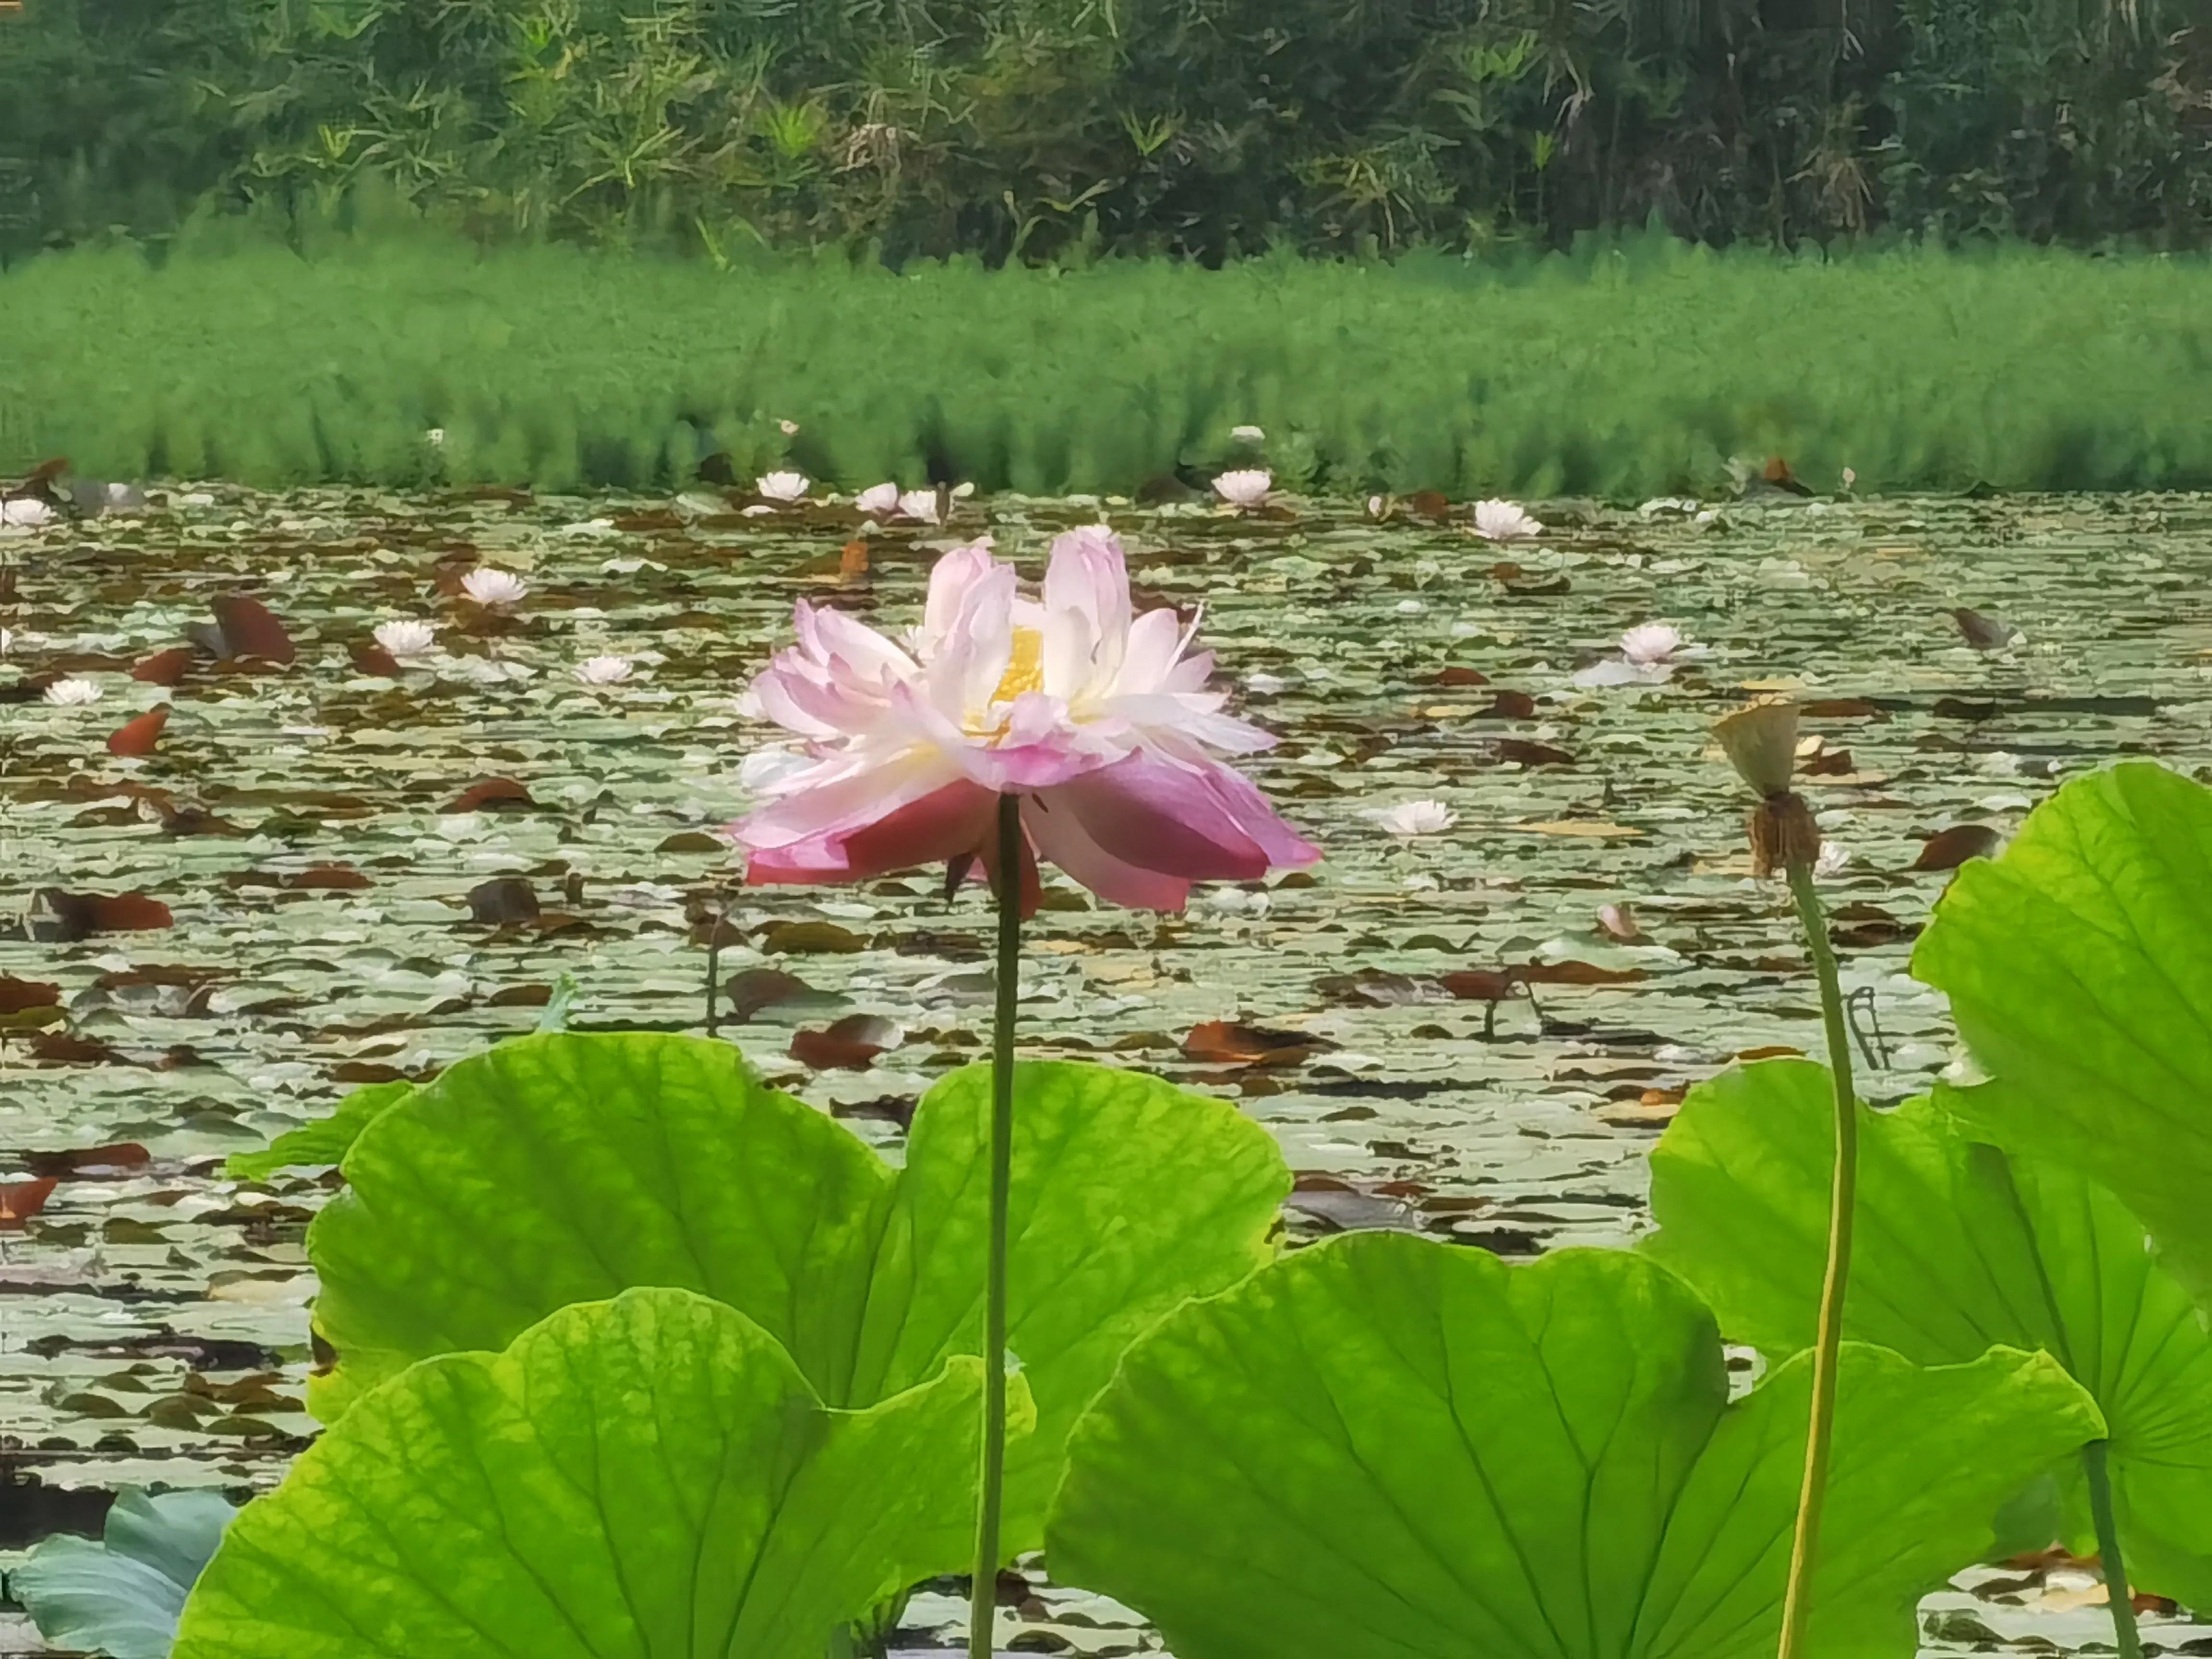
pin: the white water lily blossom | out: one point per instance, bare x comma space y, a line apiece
1410, 819
788, 487
1247, 434
406, 638
878, 499
25, 513
71, 693
921, 505
1835, 858
605, 671
1245, 487
493, 588
1503, 521
1649, 654
1651, 642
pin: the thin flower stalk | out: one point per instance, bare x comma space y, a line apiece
991, 1503
1761, 743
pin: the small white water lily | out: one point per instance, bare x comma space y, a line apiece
1651, 642
1649, 654
406, 638
1409, 819
1503, 521
71, 693
1851, 476
1245, 487
1247, 434
1835, 858
1377, 506
605, 671
436, 437
879, 499
788, 426
921, 505
782, 486
25, 512
494, 589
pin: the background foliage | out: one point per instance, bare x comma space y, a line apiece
1042, 128
1621, 371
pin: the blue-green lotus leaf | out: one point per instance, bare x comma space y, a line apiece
121, 1595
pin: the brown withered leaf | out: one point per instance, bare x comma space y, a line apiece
1841, 708
1508, 706
137, 737
502, 899
1947, 849
492, 795
165, 667
1982, 631
1481, 984
22, 1200
1577, 973
1519, 751
117, 1156
1373, 988
757, 989
18, 994
67, 1048
788, 938
1231, 1042
370, 658
850, 1044
246, 628
67, 916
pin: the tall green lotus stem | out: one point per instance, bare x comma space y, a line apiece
1761, 743
983, 1594
2118, 1593
1797, 1605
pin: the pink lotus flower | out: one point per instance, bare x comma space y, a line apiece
1091, 713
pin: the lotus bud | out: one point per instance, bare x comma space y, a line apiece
1783, 835
1761, 744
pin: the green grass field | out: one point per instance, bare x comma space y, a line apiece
1620, 373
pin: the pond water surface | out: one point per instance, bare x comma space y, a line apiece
305, 829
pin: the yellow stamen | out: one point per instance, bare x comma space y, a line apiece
1025, 669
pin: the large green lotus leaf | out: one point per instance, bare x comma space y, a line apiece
320, 1140
1384, 1448
121, 1595
1129, 1198
2079, 967
1957, 1249
648, 1477
561, 1169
